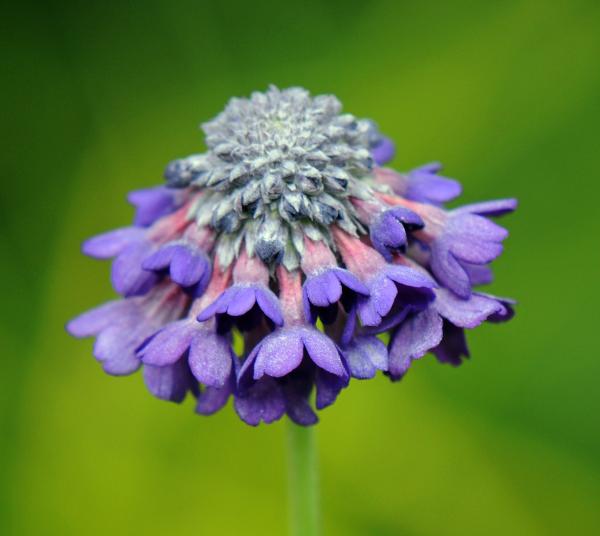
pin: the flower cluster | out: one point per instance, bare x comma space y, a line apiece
290, 235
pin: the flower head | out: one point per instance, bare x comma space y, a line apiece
288, 235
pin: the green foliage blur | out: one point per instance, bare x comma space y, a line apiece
98, 96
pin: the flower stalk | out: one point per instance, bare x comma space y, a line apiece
303, 484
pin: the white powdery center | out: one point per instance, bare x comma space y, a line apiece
279, 165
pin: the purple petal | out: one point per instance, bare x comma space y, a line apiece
323, 352
169, 344
495, 208
430, 167
387, 235
171, 382
310, 315
264, 401
269, 305
297, 405
110, 244
415, 336
473, 227
425, 186
349, 280
478, 274
279, 354
160, 259
505, 313
467, 313
383, 292
152, 204
323, 289
328, 388
453, 346
128, 276
350, 327
188, 266
115, 349
244, 378
409, 277
212, 399
448, 270
383, 151
92, 322
366, 355
210, 358
388, 232
218, 306
241, 300
476, 252
300, 412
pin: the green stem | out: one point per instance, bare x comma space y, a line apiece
303, 481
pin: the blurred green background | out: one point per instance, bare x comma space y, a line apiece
99, 96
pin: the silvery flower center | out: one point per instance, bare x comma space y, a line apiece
279, 165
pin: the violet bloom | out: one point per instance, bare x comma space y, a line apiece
288, 231
247, 301
327, 285
366, 354
389, 226
151, 204
440, 328
294, 354
422, 184
394, 291
131, 246
184, 260
465, 238
383, 150
185, 353
121, 327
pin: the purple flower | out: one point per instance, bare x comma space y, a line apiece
389, 230
306, 245
365, 356
425, 185
130, 247
440, 328
322, 292
186, 264
248, 301
273, 382
395, 291
283, 351
120, 327
171, 382
188, 346
422, 184
243, 306
464, 239
152, 204
278, 374
110, 244
383, 151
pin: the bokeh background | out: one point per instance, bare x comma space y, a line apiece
98, 96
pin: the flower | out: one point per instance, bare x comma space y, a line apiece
288, 236
440, 328
153, 203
